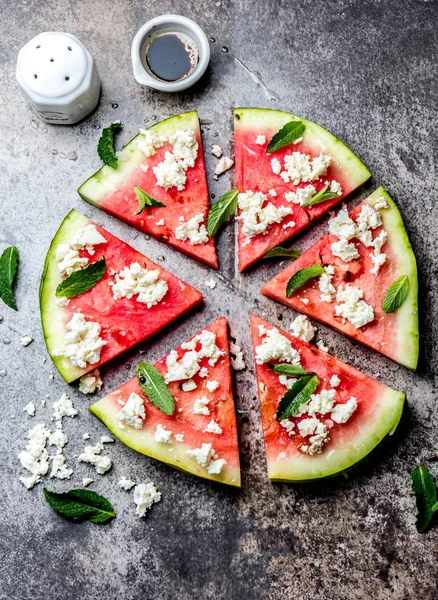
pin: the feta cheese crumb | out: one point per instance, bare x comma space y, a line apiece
335, 187
86, 436
287, 381
82, 342
236, 358
144, 168
289, 426
321, 403
342, 412
318, 435
256, 216
149, 141
126, 484
200, 406
30, 409
342, 226
179, 437
276, 166
223, 165
63, 408
275, 346
301, 327
26, 340
321, 346
159, 223
272, 192
185, 147
163, 435
204, 456
35, 458
194, 230
58, 438
352, 307
188, 365
346, 251
93, 456
62, 301
145, 495
301, 196
216, 150
305, 301
203, 372
86, 481
106, 439
170, 173
188, 385
135, 280
261, 140
300, 167
132, 413
212, 385
381, 203
210, 283
90, 382
59, 469
213, 427
325, 285
334, 381
67, 254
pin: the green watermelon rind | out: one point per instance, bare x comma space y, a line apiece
144, 442
106, 179
407, 314
52, 315
330, 464
314, 135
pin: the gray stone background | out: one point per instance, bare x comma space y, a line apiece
366, 70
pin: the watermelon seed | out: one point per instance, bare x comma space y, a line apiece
212, 40
224, 49
212, 196
114, 105
142, 379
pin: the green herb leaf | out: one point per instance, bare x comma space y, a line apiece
299, 278
321, 196
82, 280
397, 293
8, 269
287, 134
155, 388
299, 393
105, 147
424, 488
144, 199
280, 252
221, 210
80, 505
289, 370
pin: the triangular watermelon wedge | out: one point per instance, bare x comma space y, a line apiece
212, 382
344, 435
253, 130
124, 321
113, 190
396, 334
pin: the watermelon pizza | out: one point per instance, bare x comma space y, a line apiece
283, 191
132, 301
165, 161
320, 416
200, 436
364, 261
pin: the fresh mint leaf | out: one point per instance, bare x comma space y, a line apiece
155, 388
289, 370
82, 280
144, 199
299, 278
397, 293
424, 488
221, 210
321, 196
299, 393
8, 269
287, 134
280, 252
105, 147
80, 505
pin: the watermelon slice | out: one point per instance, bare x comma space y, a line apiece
124, 321
356, 415
253, 130
113, 190
212, 382
396, 334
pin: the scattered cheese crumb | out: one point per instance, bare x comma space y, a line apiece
352, 307
82, 342
334, 381
210, 283
145, 283
223, 165
90, 382
321, 346
30, 409
216, 150
342, 412
92, 455
106, 439
179, 437
126, 484
194, 230
26, 340
163, 435
212, 385
188, 385
256, 215
86, 481
275, 346
261, 140
213, 427
132, 413
145, 495
301, 327
237, 361
63, 408
200, 406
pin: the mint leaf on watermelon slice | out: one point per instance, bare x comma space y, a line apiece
281, 252
221, 210
82, 280
321, 196
424, 488
152, 384
80, 505
287, 134
299, 393
8, 269
397, 293
144, 199
299, 278
289, 370
105, 146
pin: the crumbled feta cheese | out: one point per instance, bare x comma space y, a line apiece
288, 426
378, 261
159, 223
35, 458
188, 385
301, 196
335, 187
305, 301
86, 238
146, 283
184, 368
170, 173
69, 260
29, 409
211, 284
149, 141
82, 342
179, 437
106, 439
90, 382
342, 226
194, 230
213, 427
318, 435
215, 467
86, 481
377, 257
301, 327
212, 385
185, 147
209, 349
321, 346
342, 412
261, 140
276, 166
132, 413
203, 372
334, 381
287, 381
62, 301
368, 218
216, 150
144, 168
352, 307
126, 484
236, 358
223, 165
59, 469
200, 406
93, 456
163, 435
381, 203
321, 403
275, 346
204, 457
300, 167
86, 436
325, 285
26, 340
63, 408
255, 217
290, 224
145, 494
346, 251
272, 192
58, 438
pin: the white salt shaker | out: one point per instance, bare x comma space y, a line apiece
58, 77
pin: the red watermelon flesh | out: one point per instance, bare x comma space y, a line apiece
125, 322
253, 172
113, 191
377, 414
395, 335
184, 421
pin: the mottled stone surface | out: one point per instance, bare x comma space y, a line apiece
366, 71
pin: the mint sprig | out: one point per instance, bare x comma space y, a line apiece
397, 293
152, 384
80, 505
424, 488
144, 199
281, 252
82, 280
289, 370
105, 146
321, 196
299, 393
221, 210
286, 135
299, 278
8, 270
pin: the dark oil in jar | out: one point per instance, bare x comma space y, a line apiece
171, 56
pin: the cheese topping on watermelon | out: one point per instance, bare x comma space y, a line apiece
299, 167
150, 141
132, 413
82, 342
67, 254
135, 280
194, 230
256, 215
171, 172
